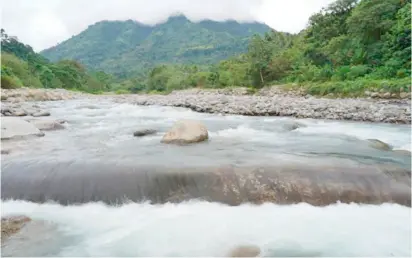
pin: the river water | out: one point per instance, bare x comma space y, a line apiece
100, 133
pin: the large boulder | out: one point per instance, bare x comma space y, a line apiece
380, 145
186, 131
14, 128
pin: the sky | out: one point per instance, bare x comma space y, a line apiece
45, 23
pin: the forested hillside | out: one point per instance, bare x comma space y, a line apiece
347, 47
21, 66
127, 48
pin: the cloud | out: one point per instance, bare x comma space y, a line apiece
44, 23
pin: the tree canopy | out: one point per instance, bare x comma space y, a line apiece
21, 66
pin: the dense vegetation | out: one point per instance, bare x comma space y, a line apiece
348, 47
21, 66
128, 48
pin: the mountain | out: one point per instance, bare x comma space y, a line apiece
128, 47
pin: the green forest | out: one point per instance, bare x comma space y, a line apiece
127, 48
348, 47
21, 66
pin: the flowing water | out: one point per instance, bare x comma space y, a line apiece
99, 135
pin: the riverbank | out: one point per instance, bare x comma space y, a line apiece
275, 102
270, 101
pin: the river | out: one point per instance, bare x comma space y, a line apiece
98, 144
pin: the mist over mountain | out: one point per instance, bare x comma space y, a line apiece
128, 47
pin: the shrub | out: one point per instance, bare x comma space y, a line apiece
9, 82
357, 71
121, 91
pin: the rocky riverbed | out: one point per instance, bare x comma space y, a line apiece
277, 103
22, 101
271, 101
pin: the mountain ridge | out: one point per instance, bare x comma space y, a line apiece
128, 47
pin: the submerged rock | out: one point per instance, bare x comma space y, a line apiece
41, 113
144, 132
293, 126
281, 183
14, 128
402, 152
186, 131
380, 145
19, 113
12, 225
245, 251
5, 151
47, 125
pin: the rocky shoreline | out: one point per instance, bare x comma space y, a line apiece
277, 103
22, 101
271, 101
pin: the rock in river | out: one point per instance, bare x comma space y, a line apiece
12, 225
47, 125
186, 131
41, 113
374, 143
402, 152
144, 132
14, 128
5, 151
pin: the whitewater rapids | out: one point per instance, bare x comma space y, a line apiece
100, 130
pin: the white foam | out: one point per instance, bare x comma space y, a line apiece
398, 137
211, 229
244, 132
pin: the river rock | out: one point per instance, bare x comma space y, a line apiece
402, 152
386, 95
41, 113
186, 131
144, 132
61, 121
374, 95
293, 126
47, 125
5, 151
404, 95
14, 128
18, 112
12, 225
374, 143
245, 251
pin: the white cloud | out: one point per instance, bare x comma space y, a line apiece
44, 23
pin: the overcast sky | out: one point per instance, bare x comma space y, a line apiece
44, 23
